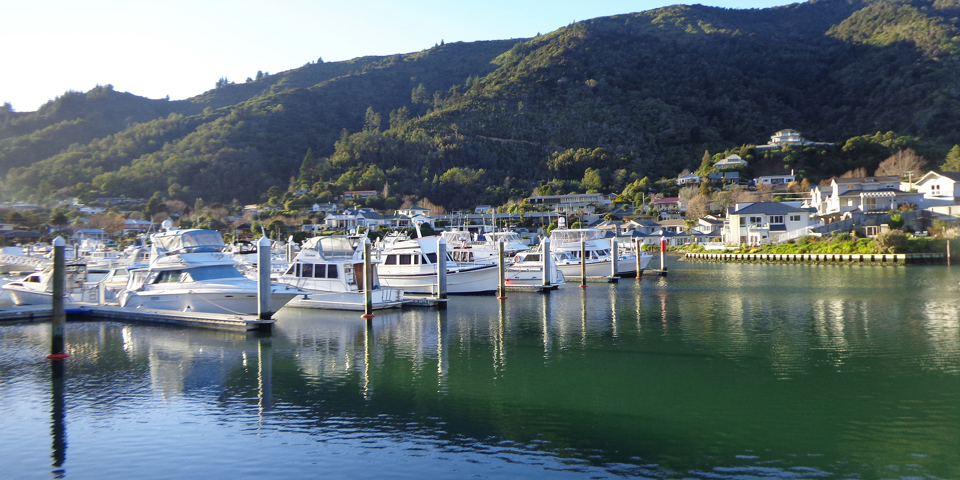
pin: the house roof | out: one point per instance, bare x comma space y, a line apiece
955, 176
667, 200
866, 179
771, 208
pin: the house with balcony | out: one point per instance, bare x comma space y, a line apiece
765, 222
688, 179
785, 138
863, 195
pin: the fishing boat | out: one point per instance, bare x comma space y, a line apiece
188, 271
411, 265
330, 270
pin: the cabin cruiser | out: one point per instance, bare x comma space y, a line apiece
330, 270
566, 246
37, 288
411, 265
189, 272
465, 247
527, 269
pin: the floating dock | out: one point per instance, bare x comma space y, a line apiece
80, 311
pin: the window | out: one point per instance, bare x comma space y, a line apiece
332, 271
743, 221
432, 257
794, 218
391, 260
307, 270
776, 219
406, 259
756, 220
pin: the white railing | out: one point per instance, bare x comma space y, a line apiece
793, 234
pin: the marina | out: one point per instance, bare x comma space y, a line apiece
709, 373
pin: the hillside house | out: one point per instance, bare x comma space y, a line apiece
731, 161
688, 179
938, 188
787, 137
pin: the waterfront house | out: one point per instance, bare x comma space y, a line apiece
864, 194
765, 222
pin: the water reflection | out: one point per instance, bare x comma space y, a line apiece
721, 372
58, 427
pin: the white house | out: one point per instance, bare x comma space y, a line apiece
732, 161
353, 218
688, 179
865, 194
775, 181
764, 222
938, 188
787, 137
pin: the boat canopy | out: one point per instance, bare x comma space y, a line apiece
188, 241
575, 235
334, 247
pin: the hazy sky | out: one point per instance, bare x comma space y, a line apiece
181, 48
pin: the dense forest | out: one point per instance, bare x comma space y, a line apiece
597, 105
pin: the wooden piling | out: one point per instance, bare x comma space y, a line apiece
57, 343
263, 279
367, 280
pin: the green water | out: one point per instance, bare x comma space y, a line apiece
716, 371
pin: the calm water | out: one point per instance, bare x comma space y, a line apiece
715, 372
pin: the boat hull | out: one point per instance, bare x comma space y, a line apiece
238, 303
354, 301
480, 280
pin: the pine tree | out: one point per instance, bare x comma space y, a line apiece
952, 163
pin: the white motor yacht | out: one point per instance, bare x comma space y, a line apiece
37, 288
411, 265
188, 271
566, 251
330, 270
527, 269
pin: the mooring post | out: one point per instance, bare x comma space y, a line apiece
547, 263
636, 250
614, 257
583, 263
290, 252
367, 280
442, 272
57, 343
663, 254
501, 271
948, 253
263, 279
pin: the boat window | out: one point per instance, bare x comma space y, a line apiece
306, 270
391, 260
292, 270
332, 271
214, 272
406, 260
168, 276
432, 257
533, 257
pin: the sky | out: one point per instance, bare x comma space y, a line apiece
181, 48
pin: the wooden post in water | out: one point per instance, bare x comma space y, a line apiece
367, 280
948, 253
501, 271
442, 272
583, 263
636, 250
547, 263
614, 257
57, 343
263, 279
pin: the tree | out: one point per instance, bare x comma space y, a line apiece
952, 163
398, 117
705, 163
59, 219
419, 95
902, 163
698, 207
371, 121
309, 169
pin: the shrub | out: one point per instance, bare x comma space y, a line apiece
893, 241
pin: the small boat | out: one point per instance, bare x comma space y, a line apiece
189, 272
411, 265
37, 288
527, 269
330, 270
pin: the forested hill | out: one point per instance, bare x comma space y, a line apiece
595, 105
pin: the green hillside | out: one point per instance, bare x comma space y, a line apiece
596, 105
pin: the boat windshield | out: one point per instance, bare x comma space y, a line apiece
333, 248
575, 235
215, 272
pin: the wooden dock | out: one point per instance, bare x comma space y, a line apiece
81, 311
423, 301
900, 259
